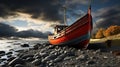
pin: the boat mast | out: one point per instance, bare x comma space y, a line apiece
65, 20
89, 6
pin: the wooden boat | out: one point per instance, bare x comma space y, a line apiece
77, 34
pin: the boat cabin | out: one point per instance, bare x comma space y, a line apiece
59, 28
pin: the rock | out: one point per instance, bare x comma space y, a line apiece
37, 57
50, 64
105, 57
67, 58
21, 50
25, 45
26, 56
11, 49
19, 65
116, 52
43, 54
3, 59
2, 53
10, 59
51, 47
30, 59
16, 61
80, 57
36, 62
58, 59
70, 54
91, 62
9, 53
35, 47
4, 65
48, 58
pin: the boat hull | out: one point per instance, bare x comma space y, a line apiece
76, 34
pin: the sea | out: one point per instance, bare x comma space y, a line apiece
7, 45
15, 45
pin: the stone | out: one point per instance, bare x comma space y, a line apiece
91, 62
3, 59
48, 58
21, 50
67, 58
30, 59
2, 53
11, 49
51, 47
35, 47
58, 59
36, 62
11, 58
71, 54
4, 65
26, 56
105, 57
19, 65
37, 57
16, 61
9, 53
25, 45
80, 57
116, 52
43, 54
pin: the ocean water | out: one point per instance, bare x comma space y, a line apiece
15, 45
6, 45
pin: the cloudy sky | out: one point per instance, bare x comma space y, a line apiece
35, 18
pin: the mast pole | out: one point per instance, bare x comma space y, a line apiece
89, 7
65, 20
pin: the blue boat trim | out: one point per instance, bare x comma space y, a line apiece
77, 40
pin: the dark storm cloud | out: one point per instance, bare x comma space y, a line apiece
9, 31
110, 16
47, 9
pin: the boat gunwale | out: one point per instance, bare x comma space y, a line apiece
51, 37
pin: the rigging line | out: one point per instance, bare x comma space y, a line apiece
95, 23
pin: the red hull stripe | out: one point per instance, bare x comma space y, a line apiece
77, 40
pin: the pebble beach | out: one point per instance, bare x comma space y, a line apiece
47, 55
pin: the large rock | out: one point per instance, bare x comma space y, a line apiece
2, 53
16, 61
25, 45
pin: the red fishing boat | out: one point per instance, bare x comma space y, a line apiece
77, 34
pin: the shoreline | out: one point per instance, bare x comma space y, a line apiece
46, 55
